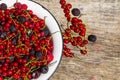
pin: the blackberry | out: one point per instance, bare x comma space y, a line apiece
3, 6
12, 29
38, 55
92, 38
21, 19
44, 69
75, 11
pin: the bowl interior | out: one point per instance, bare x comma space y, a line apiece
53, 26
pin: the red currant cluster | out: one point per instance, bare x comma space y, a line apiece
75, 32
25, 44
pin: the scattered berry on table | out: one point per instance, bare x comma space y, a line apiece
92, 38
75, 11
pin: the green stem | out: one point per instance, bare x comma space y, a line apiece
34, 60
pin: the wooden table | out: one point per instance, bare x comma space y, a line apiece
103, 59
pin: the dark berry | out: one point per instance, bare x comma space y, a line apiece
12, 59
44, 69
3, 35
1, 26
21, 19
14, 40
32, 52
92, 38
38, 55
46, 31
12, 29
75, 11
6, 78
2, 61
14, 79
35, 74
26, 57
3, 6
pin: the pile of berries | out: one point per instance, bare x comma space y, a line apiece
75, 32
25, 44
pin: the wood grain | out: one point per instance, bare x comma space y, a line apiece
103, 59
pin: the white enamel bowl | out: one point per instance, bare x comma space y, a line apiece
53, 26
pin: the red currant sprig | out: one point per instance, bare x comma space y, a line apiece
75, 32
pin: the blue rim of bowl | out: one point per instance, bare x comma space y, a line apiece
60, 32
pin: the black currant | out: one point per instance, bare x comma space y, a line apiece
35, 74
26, 57
3, 6
75, 11
21, 19
38, 55
3, 35
2, 61
1, 26
46, 31
14, 40
12, 29
12, 59
44, 69
92, 38
32, 52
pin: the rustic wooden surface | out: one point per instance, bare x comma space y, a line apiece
103, 59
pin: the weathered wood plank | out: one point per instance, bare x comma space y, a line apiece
103, 59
